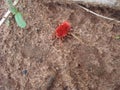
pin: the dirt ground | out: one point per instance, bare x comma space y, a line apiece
29, 60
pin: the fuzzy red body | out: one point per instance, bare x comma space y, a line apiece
62, 30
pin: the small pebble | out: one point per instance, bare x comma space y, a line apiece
24, 72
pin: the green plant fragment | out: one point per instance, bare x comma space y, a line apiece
7, 22
19, 19
13, 10
11, 7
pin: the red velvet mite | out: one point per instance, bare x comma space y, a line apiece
62, 30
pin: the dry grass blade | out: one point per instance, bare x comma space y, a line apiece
101, 16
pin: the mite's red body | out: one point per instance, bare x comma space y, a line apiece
62, 30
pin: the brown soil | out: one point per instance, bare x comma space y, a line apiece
30, 61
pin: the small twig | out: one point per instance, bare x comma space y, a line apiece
99, 14
76, 37
7, 13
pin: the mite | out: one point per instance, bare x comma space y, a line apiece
62, 30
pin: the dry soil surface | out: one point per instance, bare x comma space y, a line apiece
89, 59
